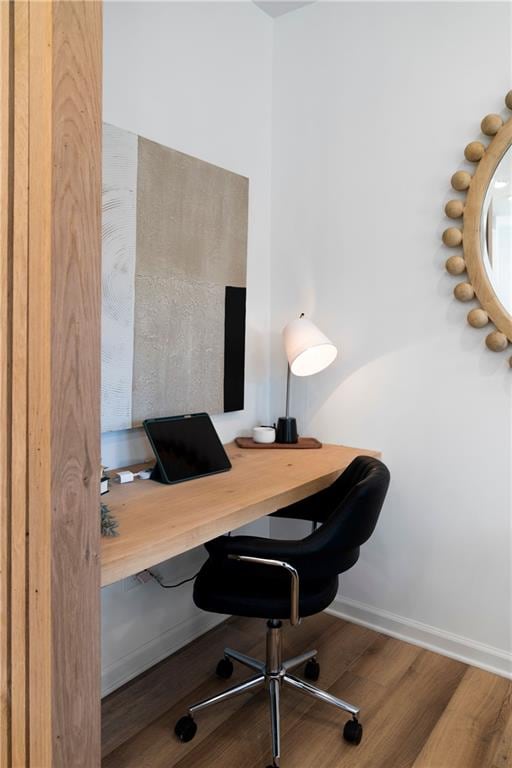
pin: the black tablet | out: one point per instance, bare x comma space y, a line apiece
185, 447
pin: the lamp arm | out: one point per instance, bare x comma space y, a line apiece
288, 392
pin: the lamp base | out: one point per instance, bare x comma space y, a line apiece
287, 430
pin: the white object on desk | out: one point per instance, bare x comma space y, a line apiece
264, 435
126, 476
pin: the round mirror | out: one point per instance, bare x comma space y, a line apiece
497, 231
482, 242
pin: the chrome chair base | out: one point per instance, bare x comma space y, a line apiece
273, 673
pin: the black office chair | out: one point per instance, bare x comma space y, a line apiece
277, 580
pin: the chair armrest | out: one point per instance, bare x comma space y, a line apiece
295, 583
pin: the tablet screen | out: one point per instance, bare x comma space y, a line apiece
186, 447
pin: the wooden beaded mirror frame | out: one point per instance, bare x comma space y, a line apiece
470, 235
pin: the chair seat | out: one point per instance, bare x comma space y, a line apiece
258, 591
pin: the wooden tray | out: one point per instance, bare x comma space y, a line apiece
304, 442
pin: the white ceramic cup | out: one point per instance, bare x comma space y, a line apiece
264, 434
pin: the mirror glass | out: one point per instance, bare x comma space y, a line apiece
497, 231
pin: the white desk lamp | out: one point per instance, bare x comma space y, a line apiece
308, 351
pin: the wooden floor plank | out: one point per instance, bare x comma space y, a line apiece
419, 709
185, 686
134, 706
502, 757
468, 735
396, 724
244, 739
386, 660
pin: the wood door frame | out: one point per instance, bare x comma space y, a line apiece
50, 267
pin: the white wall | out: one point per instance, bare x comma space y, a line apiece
195, 77
373, 105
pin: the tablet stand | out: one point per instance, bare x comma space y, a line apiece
157, 475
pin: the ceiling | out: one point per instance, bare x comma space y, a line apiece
276, 8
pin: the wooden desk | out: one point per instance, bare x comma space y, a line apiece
158, 521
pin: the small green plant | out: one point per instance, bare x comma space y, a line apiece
109, 523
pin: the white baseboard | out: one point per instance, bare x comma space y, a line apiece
158, 648
454, 646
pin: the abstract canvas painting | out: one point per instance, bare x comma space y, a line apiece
173, 281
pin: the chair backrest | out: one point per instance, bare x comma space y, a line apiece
354, 502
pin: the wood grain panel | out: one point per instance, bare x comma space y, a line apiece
75, 381
158, 521
6, 179
19, 603
49, 355
40, 395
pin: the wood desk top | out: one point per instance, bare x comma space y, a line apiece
159, 521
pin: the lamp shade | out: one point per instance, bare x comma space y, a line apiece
308, 350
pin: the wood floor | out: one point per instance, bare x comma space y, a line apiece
419, 709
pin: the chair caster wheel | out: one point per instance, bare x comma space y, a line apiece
353, 731
185, 729
312, 670
224, 669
